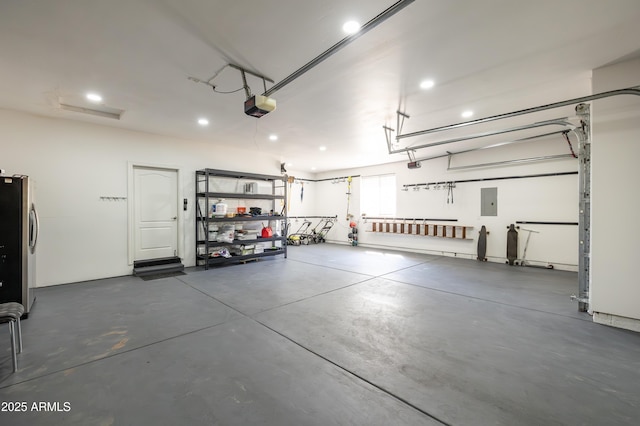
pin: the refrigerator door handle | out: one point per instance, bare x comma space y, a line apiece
34, 228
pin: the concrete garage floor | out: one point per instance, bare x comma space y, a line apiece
332, 335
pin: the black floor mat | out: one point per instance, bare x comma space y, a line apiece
163, 275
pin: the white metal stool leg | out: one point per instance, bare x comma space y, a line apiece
13, 346
19, 330
10, 313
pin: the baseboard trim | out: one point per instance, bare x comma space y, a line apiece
617, 321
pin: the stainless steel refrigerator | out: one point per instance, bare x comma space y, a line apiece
18, 239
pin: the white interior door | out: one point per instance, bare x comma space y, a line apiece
155, 213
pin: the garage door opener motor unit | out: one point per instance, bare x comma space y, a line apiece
257, 106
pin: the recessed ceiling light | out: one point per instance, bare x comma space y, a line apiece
427, 84
94, 97
273, 137
467, 114
323, 148
203, 122
313, 168
351, 27
289, 164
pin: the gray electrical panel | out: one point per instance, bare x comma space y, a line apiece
488, 201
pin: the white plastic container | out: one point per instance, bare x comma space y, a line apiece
221, 209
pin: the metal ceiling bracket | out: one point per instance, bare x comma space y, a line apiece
243, 71
583, 111
255, 74
245, 86
387, 132
247, 89
400, 121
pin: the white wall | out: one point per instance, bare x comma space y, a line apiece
615, 286
74, 164
548, 199
305, 206
83, 238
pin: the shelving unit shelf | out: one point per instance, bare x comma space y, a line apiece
215, 185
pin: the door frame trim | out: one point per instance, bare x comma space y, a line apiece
131, 165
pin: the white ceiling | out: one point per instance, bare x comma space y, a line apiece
491, 56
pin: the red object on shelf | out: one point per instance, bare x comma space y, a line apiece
267, 232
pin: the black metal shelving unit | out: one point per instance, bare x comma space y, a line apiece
204, 219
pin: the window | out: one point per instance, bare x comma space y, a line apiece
378, 195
